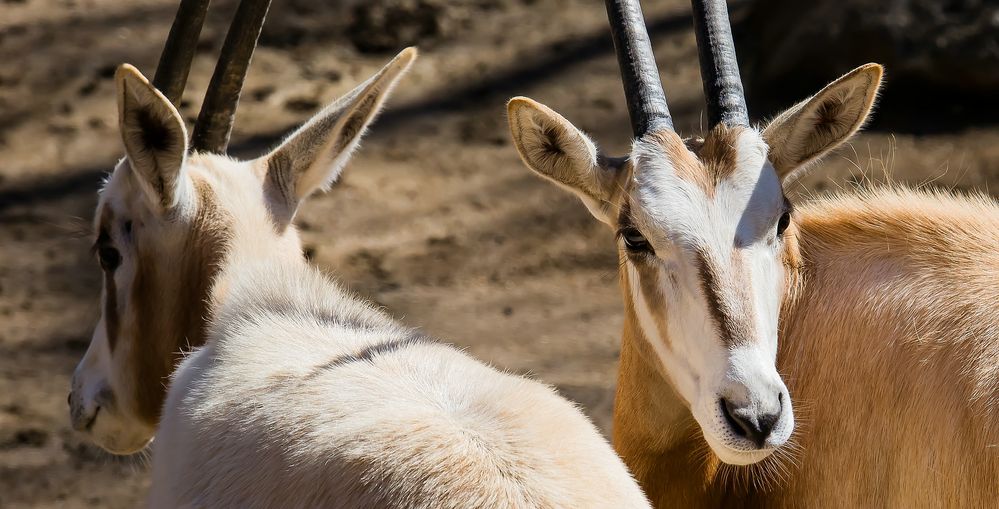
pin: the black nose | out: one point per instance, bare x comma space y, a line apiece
751, 423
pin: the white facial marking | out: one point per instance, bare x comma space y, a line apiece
725, 371
683, 373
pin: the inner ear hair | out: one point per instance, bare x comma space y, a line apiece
547, 149
154, 136
553, 147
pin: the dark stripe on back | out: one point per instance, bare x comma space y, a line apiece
369, 353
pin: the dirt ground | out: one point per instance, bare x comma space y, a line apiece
436, 218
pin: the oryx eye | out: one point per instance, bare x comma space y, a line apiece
634, 241
108, 257
783, 223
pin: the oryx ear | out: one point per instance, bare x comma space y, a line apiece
312, 157
154, 136
813, 127
555, 149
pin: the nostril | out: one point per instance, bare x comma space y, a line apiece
733, 422
767, 423
93, 418
768, 420
69, 399
82, 419
750, 424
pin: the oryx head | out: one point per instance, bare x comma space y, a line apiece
706, 235
170, 210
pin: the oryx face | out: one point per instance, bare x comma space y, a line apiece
704, 234
703, 239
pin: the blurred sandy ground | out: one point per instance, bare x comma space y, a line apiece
436, 218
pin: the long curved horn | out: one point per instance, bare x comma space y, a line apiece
211, 132
642, 87
726, 101
178, 52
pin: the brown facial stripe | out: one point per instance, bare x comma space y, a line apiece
718, 152
112, 321
648, 281
169, 302
732, 326
624, 217
648, 278
684, 163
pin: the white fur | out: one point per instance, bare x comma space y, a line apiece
252, 420
678, 218
305, 396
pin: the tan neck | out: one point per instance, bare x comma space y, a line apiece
654, 431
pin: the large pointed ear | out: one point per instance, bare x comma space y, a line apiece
154, 136
312, 157
558, 151
813, 127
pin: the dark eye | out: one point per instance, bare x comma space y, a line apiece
634, 241
783, 223
109, 257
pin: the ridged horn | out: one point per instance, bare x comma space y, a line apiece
178, 52
643, 89
211, 131
726, 100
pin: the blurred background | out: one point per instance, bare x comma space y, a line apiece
436, 218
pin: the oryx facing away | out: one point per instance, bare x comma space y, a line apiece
296, 393
869, 317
